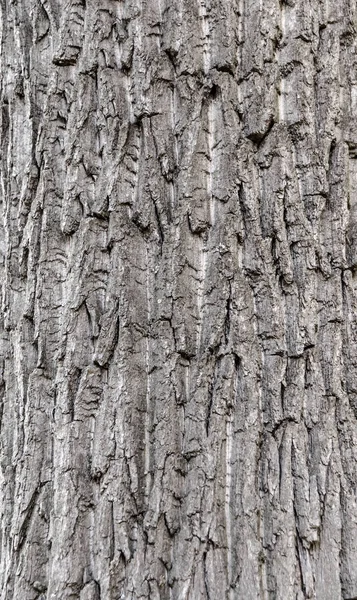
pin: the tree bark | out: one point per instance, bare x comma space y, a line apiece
178, 335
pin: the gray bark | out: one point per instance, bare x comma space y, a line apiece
178, 334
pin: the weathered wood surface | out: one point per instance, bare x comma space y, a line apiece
178, 335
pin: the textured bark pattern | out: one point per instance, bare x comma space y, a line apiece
179, 300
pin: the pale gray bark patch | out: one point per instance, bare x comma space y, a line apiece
178, 332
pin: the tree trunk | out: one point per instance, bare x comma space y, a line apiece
178, 342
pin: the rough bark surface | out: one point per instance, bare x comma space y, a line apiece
178, 358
